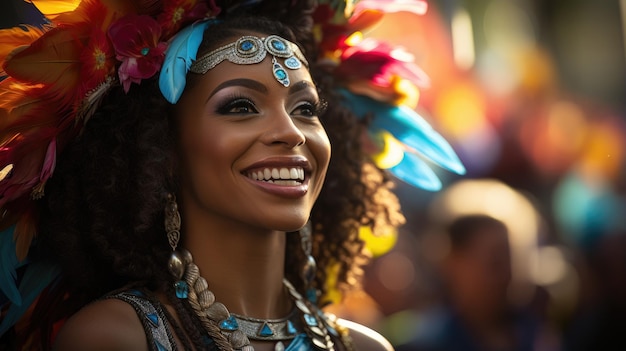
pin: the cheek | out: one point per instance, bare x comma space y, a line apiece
320, 147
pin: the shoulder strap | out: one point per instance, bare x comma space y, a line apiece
152, 317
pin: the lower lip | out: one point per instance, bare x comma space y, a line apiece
286, 191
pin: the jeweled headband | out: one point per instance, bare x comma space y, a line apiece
249, 50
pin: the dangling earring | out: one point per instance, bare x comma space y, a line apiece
178, 259
310, 266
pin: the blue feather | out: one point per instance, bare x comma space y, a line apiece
37, 277
180, 55
411, 129
9, 264
408, 127
416, 172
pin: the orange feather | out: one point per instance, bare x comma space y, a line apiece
106, 11
53, 60
52, 8
23, 108
12, 38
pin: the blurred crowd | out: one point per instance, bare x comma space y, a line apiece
528, 250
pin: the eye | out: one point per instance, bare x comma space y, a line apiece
310, 109
239, 106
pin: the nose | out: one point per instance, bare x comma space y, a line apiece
281, 130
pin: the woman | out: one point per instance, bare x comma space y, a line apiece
193, 194
232, 125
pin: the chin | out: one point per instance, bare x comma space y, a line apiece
290, 225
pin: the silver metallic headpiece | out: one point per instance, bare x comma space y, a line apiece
249, 50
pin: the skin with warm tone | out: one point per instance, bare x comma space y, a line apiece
235, 122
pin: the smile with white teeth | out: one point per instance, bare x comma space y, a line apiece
281, 176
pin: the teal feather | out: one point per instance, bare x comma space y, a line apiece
416, 172
411, 129
36, 278
179, 56
10, 263
408, 127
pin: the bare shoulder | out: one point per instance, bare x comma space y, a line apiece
104, 325
364, 338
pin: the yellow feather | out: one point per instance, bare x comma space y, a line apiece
52, 8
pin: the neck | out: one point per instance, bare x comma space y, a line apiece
244, 266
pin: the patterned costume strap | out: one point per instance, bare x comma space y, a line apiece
152, 318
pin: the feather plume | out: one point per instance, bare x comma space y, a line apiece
92, 101
22, 105
105, 11
52, 60
10, 263
180, 55
418, 7
12, 38
37, 276
27, 129
409, 128
52, 8
25, 231
86, 11
416, 172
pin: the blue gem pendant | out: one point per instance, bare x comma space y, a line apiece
280, 73
292, 63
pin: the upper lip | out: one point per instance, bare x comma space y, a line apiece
281, 161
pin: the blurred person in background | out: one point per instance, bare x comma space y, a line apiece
477, 314
600, 320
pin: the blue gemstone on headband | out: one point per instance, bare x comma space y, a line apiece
293, 63
280, 74
247, 45
278, 45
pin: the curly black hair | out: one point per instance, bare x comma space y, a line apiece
103, 213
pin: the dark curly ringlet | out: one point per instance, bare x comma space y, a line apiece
102, 216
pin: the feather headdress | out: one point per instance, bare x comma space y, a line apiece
52, 79
382, 81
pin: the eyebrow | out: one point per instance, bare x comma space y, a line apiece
301, 85
248, 83
254, 85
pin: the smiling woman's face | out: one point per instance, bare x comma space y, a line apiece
253, 151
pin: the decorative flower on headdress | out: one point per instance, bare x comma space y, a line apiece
178, 12
137, 46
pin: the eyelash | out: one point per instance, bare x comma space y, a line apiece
316, 108
236, 102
